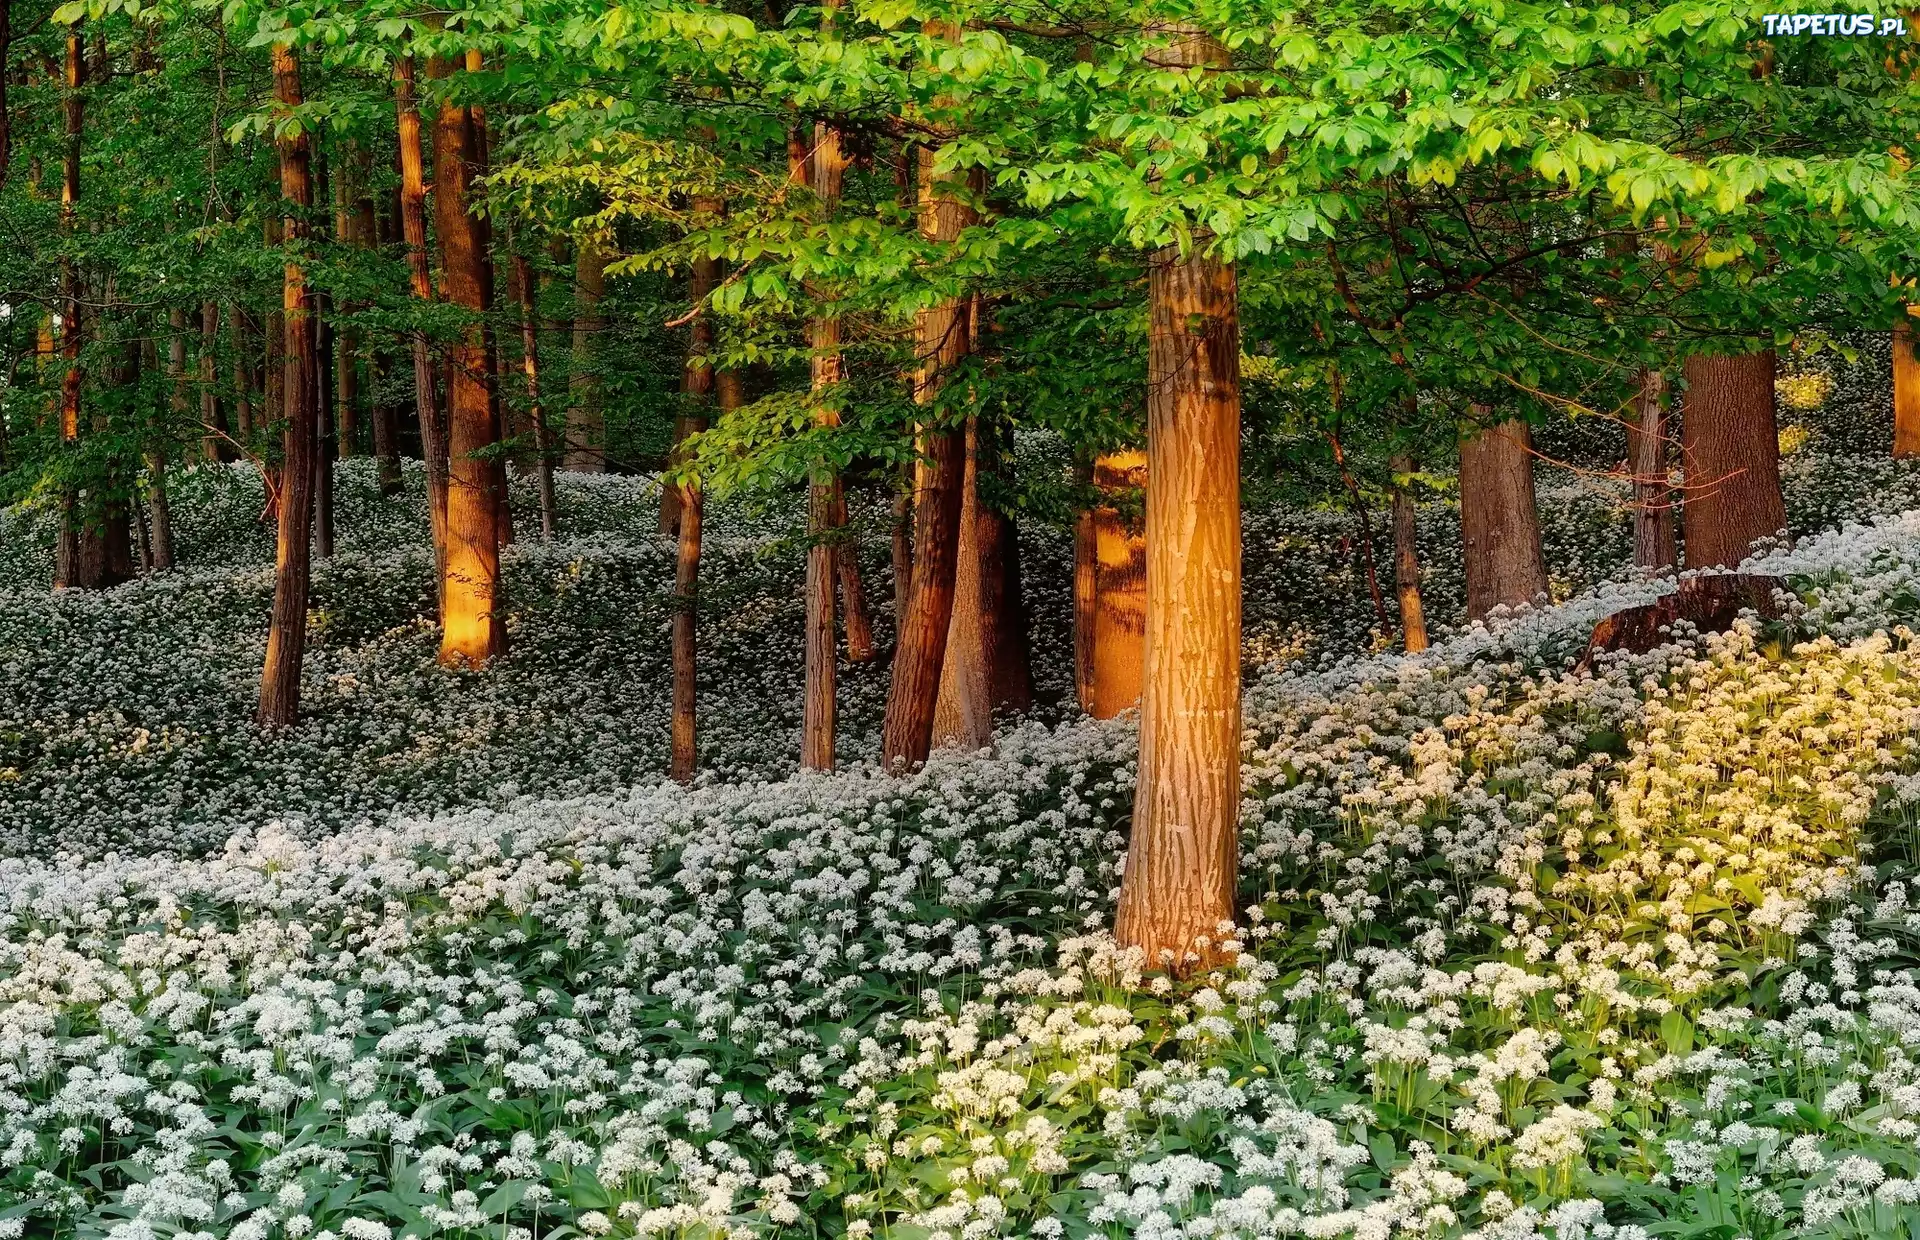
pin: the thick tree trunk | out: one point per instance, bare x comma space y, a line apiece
472, 629
1906, 392
586, 420
1119, 603
1730, 453
530, 367
1406, 561
1499, 520
1653, 542
413, 228
1182, 857
287, 639
986, 665
943, 335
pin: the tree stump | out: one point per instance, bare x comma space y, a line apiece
1711, 604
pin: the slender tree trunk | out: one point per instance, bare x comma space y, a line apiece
1499, 520
1406, 559
213, 446
1119, 602
697, 385
1653, 542
156, 541
323, 405
274, 396
68, 567
942, 337
473, 630
902, 548
586, 420
240, 329
825, 171
413, 228
6, 105
530, 366
287, 639
1180, 875
1730, 450
1906, 392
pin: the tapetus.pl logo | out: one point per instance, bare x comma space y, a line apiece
1833, 24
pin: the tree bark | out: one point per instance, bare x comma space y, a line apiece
963, 707
1730, 453
287, 638
1119, 603
1182, 857
530, 367
274, 363
825, 504
586, 420
69, 569
240, 329
1499, 521
413, 228
902, 547
688, 511
472, 629
1906, 392
1406, 561
1653, 541
323, 408
943, 335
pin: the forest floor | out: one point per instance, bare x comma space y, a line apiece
1524, 950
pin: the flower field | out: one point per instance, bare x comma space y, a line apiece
1525, 950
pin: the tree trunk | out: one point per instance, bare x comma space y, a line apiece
943, 335
1499, 521
1182, 857
68, 567
287, 639
413, 228
986, 665
240, 326
1906, 392
472, 630
1406, 559
1653, 542
214, 445
697, 384
274, 365
586, 420
824, 173
323, 409
1119, 613
1730, 453
902, 548
530, 367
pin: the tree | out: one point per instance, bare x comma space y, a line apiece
1730, 449
1499, 520
287, 636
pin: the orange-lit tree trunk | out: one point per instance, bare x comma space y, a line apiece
1119, 603
986, 661
1906, 392
69, 568
413, 229
472, 629
1182, 856
1730, 451
530, 367
1406, 559
824, 171
287, 639
1653, 542
1499, 520
688, 509
586, 420
943, 335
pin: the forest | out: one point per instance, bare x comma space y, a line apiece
950, 619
